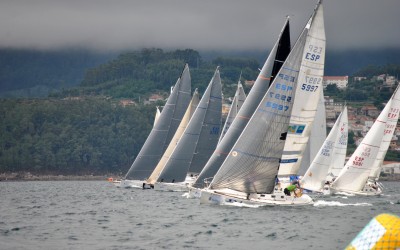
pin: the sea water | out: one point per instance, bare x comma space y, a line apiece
98, 215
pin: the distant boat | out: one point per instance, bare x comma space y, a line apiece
270, 69
248, 174
353, 178
198, 140
236, 104
334, 146
161, 134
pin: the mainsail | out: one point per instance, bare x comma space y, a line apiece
252, 164
317, 136
355, 173
390, 127
163, 131
307, 96
236, 104
178, 134
200, 136
274, 61
316, 175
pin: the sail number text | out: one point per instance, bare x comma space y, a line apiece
314, 53
310, 83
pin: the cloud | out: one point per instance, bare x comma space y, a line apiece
205, 24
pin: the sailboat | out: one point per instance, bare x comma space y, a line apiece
236, 104
197, 142
172, 145
334, 146
248, 174
353, 178
161, 134
390, 127
268, 72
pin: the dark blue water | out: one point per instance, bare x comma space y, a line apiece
97, 215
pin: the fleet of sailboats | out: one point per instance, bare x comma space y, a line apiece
268, 136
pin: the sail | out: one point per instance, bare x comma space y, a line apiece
163, 131
237, 103
307, 96
340, 149
276, 57
252, 164
355, 173
178, 134
390, 127
157, 115
315, 176
317, 136
201, 132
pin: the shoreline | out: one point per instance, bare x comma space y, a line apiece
48, 177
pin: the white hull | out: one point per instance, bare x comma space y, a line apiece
171, 187
194, 193
234, 198
366, 191
131, 184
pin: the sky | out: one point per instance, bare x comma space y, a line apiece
108, 25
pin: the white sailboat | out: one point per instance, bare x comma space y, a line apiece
354, 176
390, 127
158, 113
248, 174
236, 104
334, 146
161, 134
197, 142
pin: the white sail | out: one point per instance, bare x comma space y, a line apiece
202, 130
157, 116
340, 149
315, 176
178, 134
163, 131
355, 173
252, 164
307, 95
237, 103
317, 136
390, 127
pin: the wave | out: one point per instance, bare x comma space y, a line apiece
322, 203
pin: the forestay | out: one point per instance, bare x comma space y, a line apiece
205, 123
163, 131
307, 95
271, 67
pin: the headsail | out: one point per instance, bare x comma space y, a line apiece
307, 96
179, 132
315, 176
275, 59
237, 103
390, 127
203, 128
355, 173
163, 131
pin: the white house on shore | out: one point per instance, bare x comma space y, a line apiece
340, 81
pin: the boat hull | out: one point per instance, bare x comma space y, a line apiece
194, 193
366, 191
171, 187
131, 184
230, 197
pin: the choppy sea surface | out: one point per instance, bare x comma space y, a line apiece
97, 215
